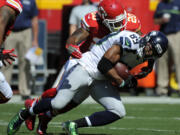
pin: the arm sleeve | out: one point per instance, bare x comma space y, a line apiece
73, 17
15, 4
150, 63
34, 9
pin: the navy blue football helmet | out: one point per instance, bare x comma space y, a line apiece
158, 42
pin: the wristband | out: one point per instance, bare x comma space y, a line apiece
122, 84
105, 65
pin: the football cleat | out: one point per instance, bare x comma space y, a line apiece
42, 125
70, 128
15, 123
30, 122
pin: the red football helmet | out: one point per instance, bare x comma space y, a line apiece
112, 14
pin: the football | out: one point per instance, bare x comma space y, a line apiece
122, 70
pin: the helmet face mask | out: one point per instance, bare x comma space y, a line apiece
112, 14
154, 42
117, 23
146, 54
150, 53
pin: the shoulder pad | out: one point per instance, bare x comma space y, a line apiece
133, 23
90, 21
129, 39
15, 4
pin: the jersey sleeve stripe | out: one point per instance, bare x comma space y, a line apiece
84, 23
15, 5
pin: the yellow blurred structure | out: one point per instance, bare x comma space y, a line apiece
173, 83
153, 4
52, 4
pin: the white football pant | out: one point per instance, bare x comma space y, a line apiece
76, 84
5, 89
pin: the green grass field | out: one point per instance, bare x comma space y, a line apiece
141, 119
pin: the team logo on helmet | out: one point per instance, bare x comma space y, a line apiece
158, 48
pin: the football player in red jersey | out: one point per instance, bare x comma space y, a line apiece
94, 26
9, 9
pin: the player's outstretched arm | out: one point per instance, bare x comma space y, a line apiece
74, 42
7, 18
145, 70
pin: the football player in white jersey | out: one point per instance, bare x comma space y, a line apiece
9, 9
91, 75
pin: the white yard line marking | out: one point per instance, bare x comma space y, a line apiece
145, 129
118, 128
57, 124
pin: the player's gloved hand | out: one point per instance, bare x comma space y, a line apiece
130, 82
144, 72
74, 50
7, 56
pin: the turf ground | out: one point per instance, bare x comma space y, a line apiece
141, 119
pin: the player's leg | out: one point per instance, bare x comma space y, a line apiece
174, 41
45, 118
108, 96
71, 62
30, 122
5, 90
56, 82
63, 101
24, 44
50, 93
69, 88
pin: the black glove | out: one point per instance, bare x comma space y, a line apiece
144, 72
7, 56
130, 82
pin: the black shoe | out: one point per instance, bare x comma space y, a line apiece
43, 124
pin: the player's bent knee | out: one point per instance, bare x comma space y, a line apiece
59, 104
5, 91
118, 109
10, 94
121, 113
4, 99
